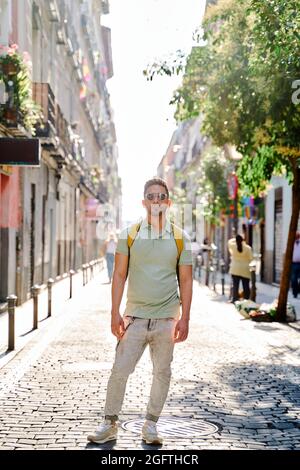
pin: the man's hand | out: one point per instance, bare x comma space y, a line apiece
181, 330
117, 325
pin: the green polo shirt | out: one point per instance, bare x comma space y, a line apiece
152, 282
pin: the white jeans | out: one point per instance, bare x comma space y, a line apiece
140, 332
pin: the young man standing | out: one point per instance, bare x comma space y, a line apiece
151, 253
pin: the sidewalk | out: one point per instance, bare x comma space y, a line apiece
267, 293
235, 383
264, 292
24, 312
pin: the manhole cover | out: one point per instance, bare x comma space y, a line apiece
82, 366
175, 427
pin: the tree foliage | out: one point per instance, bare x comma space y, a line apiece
212, 185
242, 82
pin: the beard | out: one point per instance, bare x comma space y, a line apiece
157, 209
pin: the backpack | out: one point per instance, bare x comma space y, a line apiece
178, 237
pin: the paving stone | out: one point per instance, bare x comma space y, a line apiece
228, 372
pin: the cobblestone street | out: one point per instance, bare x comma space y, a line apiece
239, 375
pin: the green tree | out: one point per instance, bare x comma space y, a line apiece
242, 81
212, 185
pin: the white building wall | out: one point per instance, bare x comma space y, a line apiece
277, 182
5, 21
52, 64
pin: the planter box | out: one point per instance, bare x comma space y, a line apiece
10, 115
9, 69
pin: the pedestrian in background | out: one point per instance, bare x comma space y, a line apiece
295, 277
195, 251
241, 255
110, 249
205, 252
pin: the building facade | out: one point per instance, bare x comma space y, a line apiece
51, 227
180, 167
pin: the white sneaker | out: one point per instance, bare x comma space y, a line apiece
107, 431
150, 434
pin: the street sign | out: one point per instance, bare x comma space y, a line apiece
20, 152
232, 184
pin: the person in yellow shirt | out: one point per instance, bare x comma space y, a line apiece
241, 255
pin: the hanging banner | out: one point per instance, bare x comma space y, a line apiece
93, 209
233, 185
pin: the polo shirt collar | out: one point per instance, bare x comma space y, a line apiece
145, 225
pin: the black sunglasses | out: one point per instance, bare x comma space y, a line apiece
160, 196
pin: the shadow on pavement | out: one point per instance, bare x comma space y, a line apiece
265, 399
107, 446
150, 446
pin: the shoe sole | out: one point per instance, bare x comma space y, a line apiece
103, 441
154, 442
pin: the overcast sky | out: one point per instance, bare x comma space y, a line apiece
142, 31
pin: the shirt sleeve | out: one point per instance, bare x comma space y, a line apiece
186, 254
122, 246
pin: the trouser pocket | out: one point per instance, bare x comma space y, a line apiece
128, 320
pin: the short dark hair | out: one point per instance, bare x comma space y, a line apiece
156, 180
239, 242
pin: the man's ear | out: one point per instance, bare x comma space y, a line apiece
143, 203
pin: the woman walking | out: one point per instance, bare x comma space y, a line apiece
241, 255
110, 248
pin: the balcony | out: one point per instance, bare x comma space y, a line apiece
105, 7
63, 133
103, 195
86, 181
53, 128
11, 118
53, 11
44, 97
84, 22
105, 134
61, 39
113, 132
17, 109
58, 139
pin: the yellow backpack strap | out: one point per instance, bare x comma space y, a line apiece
178, 236
133, 233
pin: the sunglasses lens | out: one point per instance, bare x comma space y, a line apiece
161, 196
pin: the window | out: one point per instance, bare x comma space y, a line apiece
5, 22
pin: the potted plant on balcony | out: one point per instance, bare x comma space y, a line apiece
9, 68
10, 114
9, 60
15, 73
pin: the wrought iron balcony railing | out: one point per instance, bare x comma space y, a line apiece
53, 127
44, 97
